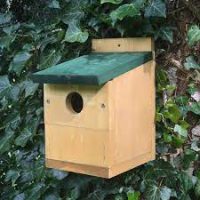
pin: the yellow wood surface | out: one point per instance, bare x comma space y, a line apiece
134, 110
123, 45
104, 172
92, 115
115, 131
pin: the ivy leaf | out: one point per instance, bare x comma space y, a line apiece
4, 85
166, 33
52, 197
19, 61
193, 35
191, 63
34, 192
7, 90
111, 1
153, 192
49, 58
126, 10
186, 182
29, 87
5, 18
20, 196
172, 112
165, 193
12, 175
24, 137
6, 140
75, 34
54, 4
59, 175
156, 8
178, 141
180, 130
11, 29
194, 107
5, 41
132, 195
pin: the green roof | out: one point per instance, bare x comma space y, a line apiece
92, 69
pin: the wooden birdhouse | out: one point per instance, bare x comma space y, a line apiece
99, 108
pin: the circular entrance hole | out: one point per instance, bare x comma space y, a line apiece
75, 102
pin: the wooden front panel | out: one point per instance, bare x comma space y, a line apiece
95, 113
81, 138
76, 145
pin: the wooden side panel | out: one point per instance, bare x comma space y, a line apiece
133, 141
122, 45
134, 114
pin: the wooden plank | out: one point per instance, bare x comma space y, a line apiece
104, 172
134, 114
95, 100
78, 168
92, 69
76, 145
142, 44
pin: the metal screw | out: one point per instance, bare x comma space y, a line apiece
103, 105
48, 101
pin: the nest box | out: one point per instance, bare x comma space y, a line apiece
99, 108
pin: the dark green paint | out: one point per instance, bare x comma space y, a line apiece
92, 69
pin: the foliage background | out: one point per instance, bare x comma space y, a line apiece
35, 35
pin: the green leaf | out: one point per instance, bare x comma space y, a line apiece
165, 193
153, 192
5, 41
194, 107
49, 58
4, 85
111, 1
59, 175
11, 29
54, 4
6, 141
5, 18
180, 130
132, 195
197, 189
191, 63
52, 197
29, 87
24, 137
177, 141
20, 196
75, 34
35, 192
9, 91
19, 61
193, 35
172, 112
186, 182
167, 138
156, 8
166, 33
126, 10
12, 175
